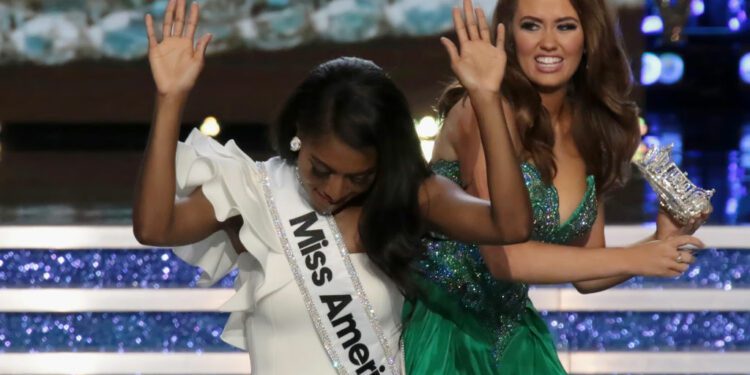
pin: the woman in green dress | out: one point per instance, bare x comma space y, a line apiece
564, 99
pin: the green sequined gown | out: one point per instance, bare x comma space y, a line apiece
467, 322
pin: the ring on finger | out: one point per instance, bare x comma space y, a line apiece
679, 258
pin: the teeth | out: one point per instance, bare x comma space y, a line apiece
548, 60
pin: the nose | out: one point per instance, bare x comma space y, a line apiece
549, 40
335, 188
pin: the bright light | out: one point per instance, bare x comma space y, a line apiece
698, 7
427, 128
734, 24
651, 140
745, 143
650, 68
745, 68
427, 147
210, 127
672, 68
734, 5
745, 139
652, 25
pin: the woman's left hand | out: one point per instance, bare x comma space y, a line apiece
477, 63
667, 227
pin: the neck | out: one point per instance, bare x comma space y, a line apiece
554, 103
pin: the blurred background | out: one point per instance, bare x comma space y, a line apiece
79, 295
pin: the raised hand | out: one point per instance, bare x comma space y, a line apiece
176, 61
477, 63
663, 257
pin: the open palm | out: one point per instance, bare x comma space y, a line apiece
477, 63
175, 61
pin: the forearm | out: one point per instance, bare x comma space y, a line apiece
155, 187
511, 208
540, 263
598, 285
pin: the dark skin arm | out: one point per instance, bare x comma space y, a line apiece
175, 64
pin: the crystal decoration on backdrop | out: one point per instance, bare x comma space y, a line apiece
120, 35
674, 15
677, 194
420, 18
50, 39
283, 27
60, 31
6, 49
347, 21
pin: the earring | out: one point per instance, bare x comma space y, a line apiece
295, 144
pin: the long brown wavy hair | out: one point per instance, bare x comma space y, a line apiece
605, 121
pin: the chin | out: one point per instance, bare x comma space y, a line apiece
549, 85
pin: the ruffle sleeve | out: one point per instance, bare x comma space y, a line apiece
233, 185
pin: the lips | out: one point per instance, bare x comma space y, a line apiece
323, 197
548, 64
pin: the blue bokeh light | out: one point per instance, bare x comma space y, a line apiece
745, 68
652, 25
734, 24
650, 68
698, 7
672, 68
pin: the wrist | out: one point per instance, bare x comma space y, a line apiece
178, 97
657, 235
483, 98
626, 259
481, 93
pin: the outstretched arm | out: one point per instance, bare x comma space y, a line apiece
175, 65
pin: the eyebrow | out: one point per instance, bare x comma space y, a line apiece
363, 173
559, 20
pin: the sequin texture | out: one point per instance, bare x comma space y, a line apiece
545, 205
458, 268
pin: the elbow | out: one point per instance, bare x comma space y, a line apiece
500, 272
498, 264
146, 235
516, 231
582, 288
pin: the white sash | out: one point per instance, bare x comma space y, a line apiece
338, 306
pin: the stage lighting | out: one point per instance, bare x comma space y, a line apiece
745, 68
427, 128
210, 127
672, 68
734, 24
650, 68
652, 25
697, 7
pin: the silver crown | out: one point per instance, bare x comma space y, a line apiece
677, 194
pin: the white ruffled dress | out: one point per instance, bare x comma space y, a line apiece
268, 316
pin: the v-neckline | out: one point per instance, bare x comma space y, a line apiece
577, 211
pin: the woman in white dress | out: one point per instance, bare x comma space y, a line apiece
324, 234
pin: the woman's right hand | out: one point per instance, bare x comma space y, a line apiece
663, 258
176, 61
478, 64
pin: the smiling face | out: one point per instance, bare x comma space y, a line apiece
549, 41
333, 173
